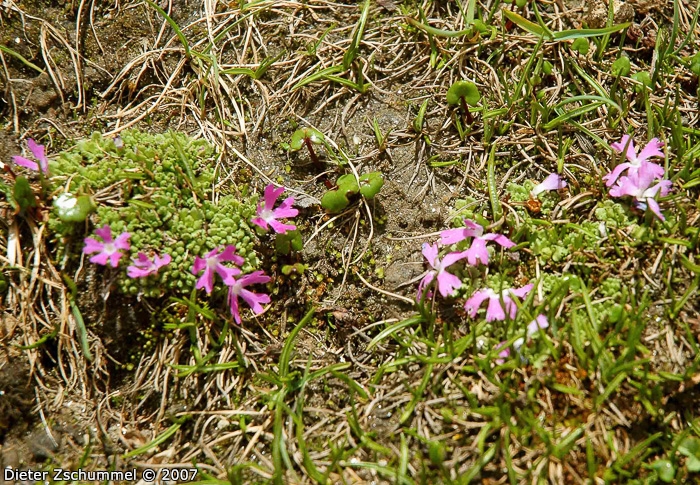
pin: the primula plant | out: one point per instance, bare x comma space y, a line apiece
307, 137
638, 183
39, 153
163, 185
347, 188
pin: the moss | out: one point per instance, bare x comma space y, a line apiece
159, 190
613, 214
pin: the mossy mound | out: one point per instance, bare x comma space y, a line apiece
157, 187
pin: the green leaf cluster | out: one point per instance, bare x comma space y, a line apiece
157, 187
347, 187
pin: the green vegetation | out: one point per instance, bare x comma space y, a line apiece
163, 184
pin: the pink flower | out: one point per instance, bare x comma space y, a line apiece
538, 323
447, 283
638, 186
477, 252
504, 353
636, 162
211, 263
552, 182
38, 152
254, 300
144, 267
109, 248
495, 311
532, 328
266, 215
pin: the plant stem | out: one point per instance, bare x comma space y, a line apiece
470, 118
312, 154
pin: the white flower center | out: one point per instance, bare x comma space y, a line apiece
110, 248
266, 215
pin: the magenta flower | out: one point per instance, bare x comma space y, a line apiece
636, 162
447, 283
638, 186
504, 353
266, 215
552, 182
495, 311
254, 300
211, 264
532, 328
39, 153
477, 252
109, 249
540, 322
144, 267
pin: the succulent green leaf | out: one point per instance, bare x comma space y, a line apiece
298, 137
348, 183
334, 201
581, 46
23, 194
288, 242
370, 184
690, 447
644, 78
463, 89
695, 64
297, 268
73, 209
547, 68
665, 470
621, 66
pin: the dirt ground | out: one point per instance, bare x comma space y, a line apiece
126, 67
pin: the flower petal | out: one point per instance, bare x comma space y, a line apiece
260, 222
474, 302
448, 283
654, 207
105, 232
281, 228
23, 162
199, 265
477, 252
254, 300
552, 182
430, 251
521, 292
427, 279
271, 195
285, 209
233, 304
499, 239
653, 149
452, 258
229, 254
254, 278
206, 281
92, 246
611, 177
631, 153
122, 241
453, 236
100, 258
538, 323
37, 150
494, 310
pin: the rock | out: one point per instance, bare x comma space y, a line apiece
596, 13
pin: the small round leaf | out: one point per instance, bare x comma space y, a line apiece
463, 89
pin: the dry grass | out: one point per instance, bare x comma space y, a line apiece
324, 404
